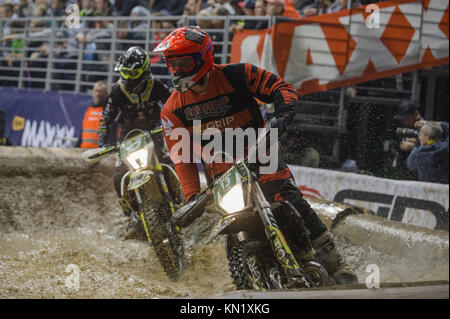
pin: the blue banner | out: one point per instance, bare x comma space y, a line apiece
43, 118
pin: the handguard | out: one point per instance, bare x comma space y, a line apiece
95, 155
185, 215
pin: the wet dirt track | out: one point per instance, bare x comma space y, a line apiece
56, 211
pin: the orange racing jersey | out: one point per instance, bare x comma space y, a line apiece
228, 102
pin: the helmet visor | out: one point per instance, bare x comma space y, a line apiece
180, 65
130, 74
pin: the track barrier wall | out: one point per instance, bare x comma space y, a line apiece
417, 203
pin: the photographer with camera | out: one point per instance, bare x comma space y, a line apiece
430, 159
407, 117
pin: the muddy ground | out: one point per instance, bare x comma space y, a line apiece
56, 211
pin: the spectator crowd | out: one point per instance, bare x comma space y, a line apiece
27, 44
30, 43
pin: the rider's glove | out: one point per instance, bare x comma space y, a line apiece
279, 122
193, 209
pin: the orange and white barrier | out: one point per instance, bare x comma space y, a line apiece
350, 46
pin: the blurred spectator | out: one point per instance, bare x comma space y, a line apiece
91, 120
37, 29
236, 4
168, 7
58, 8
35, 62
127, 5
430, 159
6, 11
339, 5
219, 24
323, 6
87, 8
310, 157
67, 49
249, 7
283, 8
216, 4
40, 10
25, 8
259, 10
275, 7
104, 8
42, 2
192, 8
407, 116
203, 23
161, 29
14, 44
96, 49
349, 165
46, 4
139, 28
308, 8
38, 42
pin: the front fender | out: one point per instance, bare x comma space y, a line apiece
221, 226
139, 178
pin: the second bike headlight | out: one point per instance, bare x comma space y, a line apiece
138, 159
233, 201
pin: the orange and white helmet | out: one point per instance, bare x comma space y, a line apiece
188, 52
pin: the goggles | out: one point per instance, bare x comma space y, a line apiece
131, 74
180, 64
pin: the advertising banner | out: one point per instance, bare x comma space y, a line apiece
417, 203
350, 46
43, 118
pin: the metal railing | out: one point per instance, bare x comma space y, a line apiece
74, 66
58, 59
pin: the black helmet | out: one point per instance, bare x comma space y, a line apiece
134, 67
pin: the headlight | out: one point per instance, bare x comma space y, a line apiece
138, 159
233, 201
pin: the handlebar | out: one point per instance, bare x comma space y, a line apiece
185, 215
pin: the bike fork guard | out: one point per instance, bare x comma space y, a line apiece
284, 255
281, 249
164, 187
141, 212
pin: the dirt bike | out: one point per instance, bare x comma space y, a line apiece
260, 255
151, 191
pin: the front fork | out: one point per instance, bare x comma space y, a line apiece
277, 241
164, 188
141, 213
165, 194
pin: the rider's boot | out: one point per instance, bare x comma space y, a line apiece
130, 231
328, 255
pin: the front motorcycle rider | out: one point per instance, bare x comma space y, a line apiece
135, 103
223, 96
